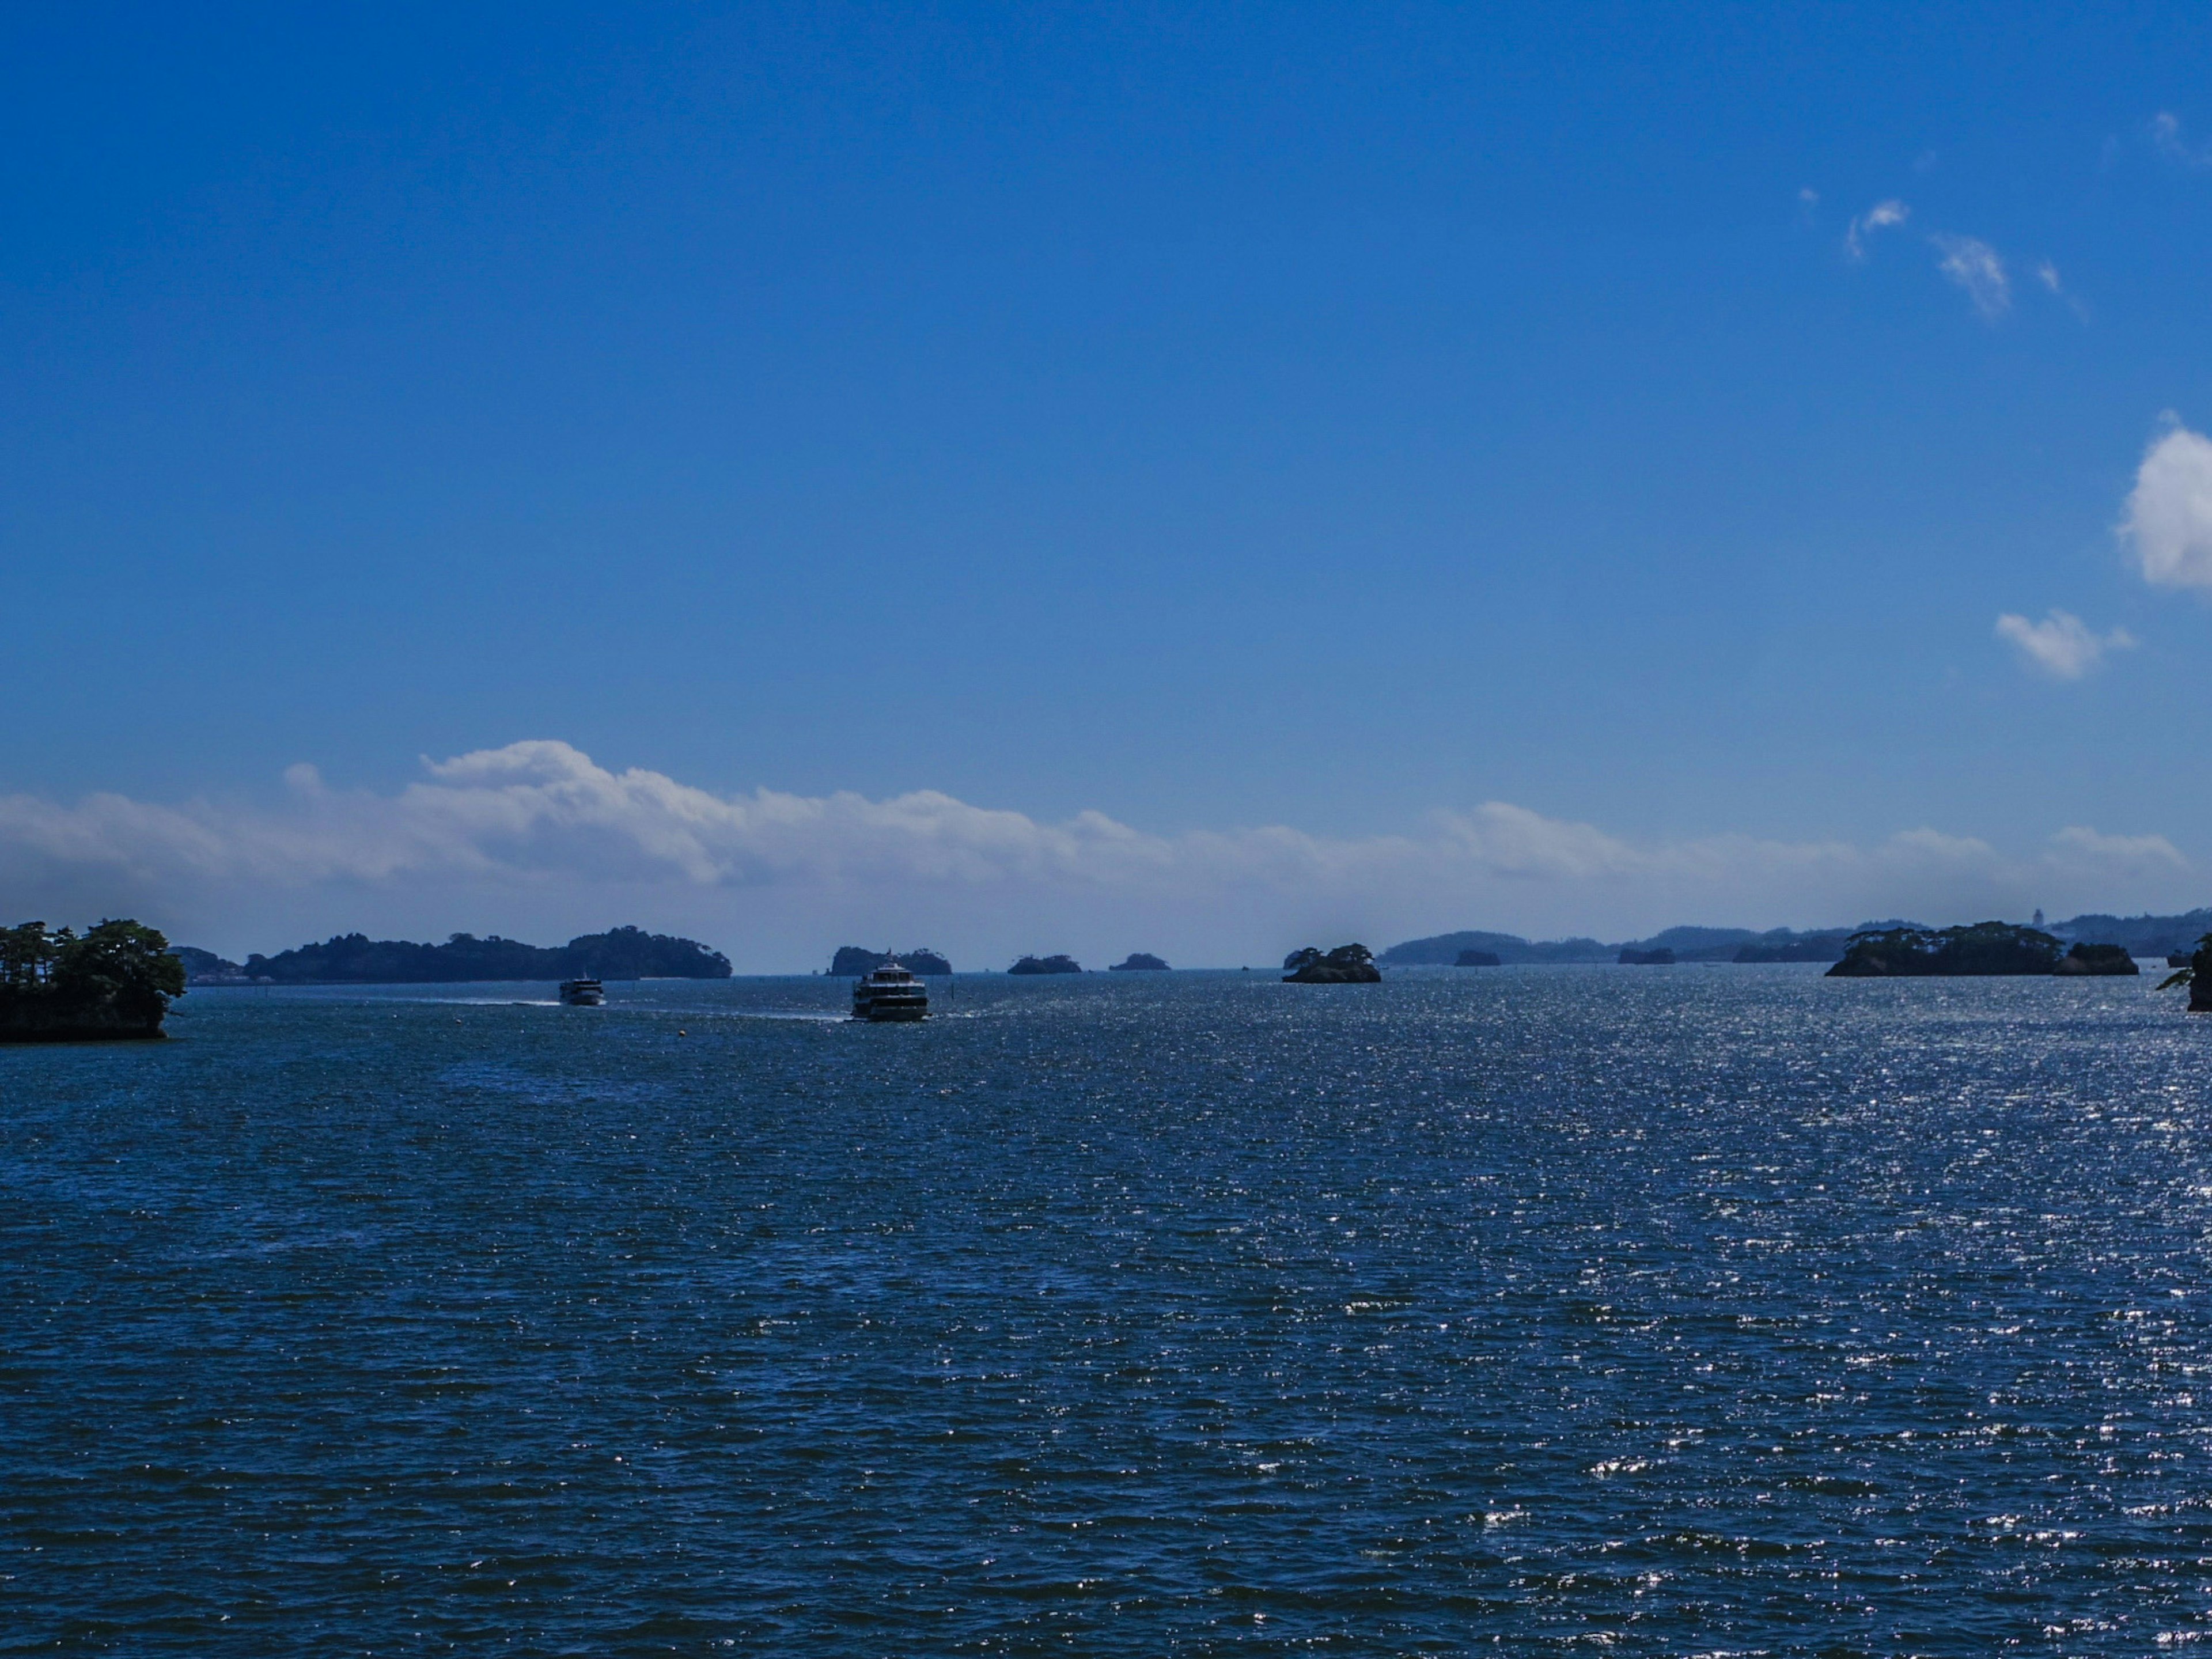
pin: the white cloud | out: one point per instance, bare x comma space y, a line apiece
1978, 269
2165, 136
2061, 645
1882, 216
2169, 512
538, 841
2153, 852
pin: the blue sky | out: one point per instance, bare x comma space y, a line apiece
1343, 419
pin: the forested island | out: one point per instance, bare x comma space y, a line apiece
1046, 965
1140, 961
1985, 948
852, 961
619, 953
1347, 964
114, 981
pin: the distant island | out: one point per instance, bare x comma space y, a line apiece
2140, 936
114, 981
853, 960
1140, 961
1347, 964
1795, 947
1659, 956
1479, 959
1442, 951
1687, 944
2173, 937
1046, 965
1985, 948
356, 959
205, 967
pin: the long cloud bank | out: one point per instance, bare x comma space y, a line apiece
538, 840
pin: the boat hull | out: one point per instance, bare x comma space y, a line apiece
885, 1012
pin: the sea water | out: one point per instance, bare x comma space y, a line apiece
1675, 1311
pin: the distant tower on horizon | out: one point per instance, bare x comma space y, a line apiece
2039, 916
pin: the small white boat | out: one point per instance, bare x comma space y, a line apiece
890, 992
582, 992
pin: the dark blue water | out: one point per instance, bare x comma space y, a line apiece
1659, 1311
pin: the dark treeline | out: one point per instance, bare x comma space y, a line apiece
622, 953
112, 980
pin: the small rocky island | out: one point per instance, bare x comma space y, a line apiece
1046, 965
1985, 948
853, 961
1140, 961
115, 980
1347, 964
2097, 959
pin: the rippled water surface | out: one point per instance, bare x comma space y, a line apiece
1663, 1311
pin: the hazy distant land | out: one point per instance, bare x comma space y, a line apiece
2141, 936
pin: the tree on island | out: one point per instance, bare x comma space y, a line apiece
2197, 976
116, 980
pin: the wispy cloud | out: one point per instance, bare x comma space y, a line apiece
2168, 518
2047, 274
1882, 216
2165, 136
2061, 646
1976, 268
538, 839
